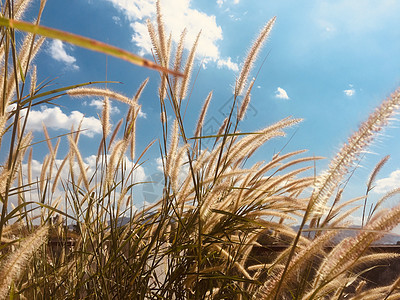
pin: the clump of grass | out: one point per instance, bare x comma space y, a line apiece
197, 241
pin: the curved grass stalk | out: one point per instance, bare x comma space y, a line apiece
84, 43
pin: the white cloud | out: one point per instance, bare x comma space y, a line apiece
387, 184
221, 2
177, 15
117, 20
54, 118
281, 94
142, 114
228, 64
98, 104
57, 51
349, 92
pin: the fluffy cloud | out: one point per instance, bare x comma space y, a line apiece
142, 114
221, 2
281, 94
387, 184
54, 118
228, 64
98, 104
57, 51
177, 15
349, 92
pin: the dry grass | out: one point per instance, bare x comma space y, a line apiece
197, 241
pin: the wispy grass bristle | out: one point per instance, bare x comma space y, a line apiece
252, 56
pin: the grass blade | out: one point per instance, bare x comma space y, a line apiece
84, 42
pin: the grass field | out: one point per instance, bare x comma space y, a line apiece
195, 242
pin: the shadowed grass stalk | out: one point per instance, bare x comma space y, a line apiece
202, 115
252, 56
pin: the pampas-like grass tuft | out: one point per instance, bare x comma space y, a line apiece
13, 266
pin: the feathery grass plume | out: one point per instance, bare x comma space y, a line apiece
229, 258
334, 216
178, 61
252, 56
20, 7
395, 286
351, 151
343, 256
188, 69
382, 200
25, 56
29, 166
162, 90
371, 181
169, 48
202, 115
163, 117
132, 115
298, 161
375, 257
245, 102
221, 129
375, 172
154, 41
105, 119
75, 151
140, 90
161, 35
178, 160
275, 184
213, 200
88, 92
379, 293
58, 174
33, 80
269, 288
116, 154
247, 145
120, 199
4, 174
114, 134
15, 263
3, 121
172, 148
48, 140
53, 157
43, 181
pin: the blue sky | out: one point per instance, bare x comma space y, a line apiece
329, 62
